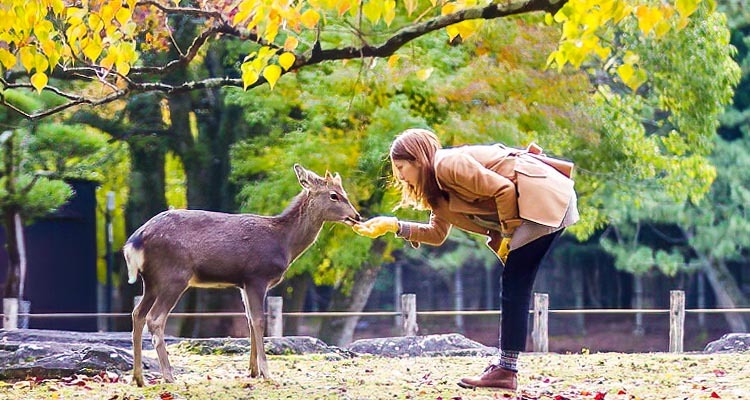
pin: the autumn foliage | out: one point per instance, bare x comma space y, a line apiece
104, 40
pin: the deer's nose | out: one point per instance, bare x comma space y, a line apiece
357, 217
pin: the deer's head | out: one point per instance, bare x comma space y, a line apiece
327, 196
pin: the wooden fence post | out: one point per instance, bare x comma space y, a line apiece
540, 334
10, 313
676, 320
409, 314
274, 320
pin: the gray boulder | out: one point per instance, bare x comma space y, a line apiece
48, 360
116, 339
286, 345
452, 344
729, 343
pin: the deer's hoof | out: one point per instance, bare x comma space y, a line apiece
138, 381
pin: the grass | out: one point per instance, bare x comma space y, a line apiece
609, 376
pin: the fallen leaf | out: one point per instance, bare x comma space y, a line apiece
166, 396
715, 395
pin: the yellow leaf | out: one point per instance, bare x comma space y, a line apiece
468, 28
123, 67
109, 60
57, 7
372, 10
310, 18
631, 57
686, 7
424, 74
290, 43
448, 8
625, 71
272, 29
548, 19
661, 28
286, 60
27, 57
647, 18
7, 58
92, 49
392, 60
272, 74
344, 6
123, 15
620, 11
249, 75
411, 5
637, 80
389, 11
452, 31
39, 81
40, 62
551, 58
265, 53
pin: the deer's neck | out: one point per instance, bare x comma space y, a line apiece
301, 224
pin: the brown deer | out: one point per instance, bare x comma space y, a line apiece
178, 249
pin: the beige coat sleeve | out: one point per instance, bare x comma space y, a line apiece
434, 233
463, 174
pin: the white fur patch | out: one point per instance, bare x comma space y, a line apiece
134, 258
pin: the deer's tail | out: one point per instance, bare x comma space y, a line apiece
134, 256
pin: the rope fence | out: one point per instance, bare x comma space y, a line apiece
409, 316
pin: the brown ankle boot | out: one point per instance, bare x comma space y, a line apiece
493, 377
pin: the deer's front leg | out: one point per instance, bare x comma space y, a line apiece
253, 297
253, 353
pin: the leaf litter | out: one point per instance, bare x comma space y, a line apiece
598, 376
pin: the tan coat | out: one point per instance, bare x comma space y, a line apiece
496, 183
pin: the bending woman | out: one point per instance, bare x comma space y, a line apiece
519, 202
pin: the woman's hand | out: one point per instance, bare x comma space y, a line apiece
376, 227
500, 245
504, 250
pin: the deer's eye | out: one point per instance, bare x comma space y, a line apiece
334, 196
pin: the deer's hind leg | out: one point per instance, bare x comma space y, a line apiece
253, 296
156, 319
139, 320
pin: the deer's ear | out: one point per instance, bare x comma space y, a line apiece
303, 176
336, 179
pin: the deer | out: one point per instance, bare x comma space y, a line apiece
178, 249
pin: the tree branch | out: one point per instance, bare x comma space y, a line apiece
315, 56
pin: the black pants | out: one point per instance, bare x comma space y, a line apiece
518, 280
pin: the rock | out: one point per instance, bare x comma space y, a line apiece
729, 343
286, 345
115, 339
431, 345
49, 360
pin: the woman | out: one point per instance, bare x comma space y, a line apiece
512, 196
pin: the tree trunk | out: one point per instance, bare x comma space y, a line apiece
728, 293
14, 280
15, 245
339, 331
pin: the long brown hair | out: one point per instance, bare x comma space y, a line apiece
417, 146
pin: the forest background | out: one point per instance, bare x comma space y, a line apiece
656, 120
